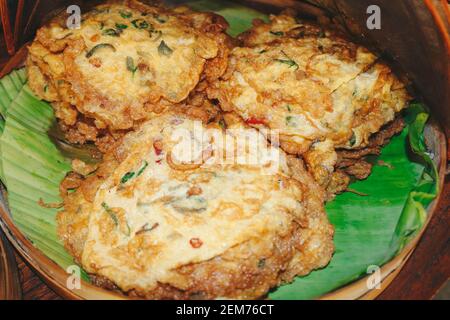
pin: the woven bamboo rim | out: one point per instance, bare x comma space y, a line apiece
9, 276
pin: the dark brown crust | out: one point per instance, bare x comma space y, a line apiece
252, 277
76, 189
376, 143
261, 268
353, 163
196, 106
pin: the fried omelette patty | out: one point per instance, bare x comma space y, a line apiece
126, 60
157, 225
319, 91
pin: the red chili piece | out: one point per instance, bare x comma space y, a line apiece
196, 243
255, 121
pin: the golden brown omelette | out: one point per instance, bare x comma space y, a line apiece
316, 90
157, 223
125, 62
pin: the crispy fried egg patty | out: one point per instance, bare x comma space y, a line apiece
320, 92
310, 85
125, 59
160, 225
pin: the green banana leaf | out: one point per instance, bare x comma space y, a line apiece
32, 168
369, 230
10, 87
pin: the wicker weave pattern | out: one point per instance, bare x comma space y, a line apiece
21, 18
16, 21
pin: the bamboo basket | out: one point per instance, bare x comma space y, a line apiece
21, 18
9, 277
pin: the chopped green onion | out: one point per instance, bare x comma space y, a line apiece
130, 65
290, 62
140, 24
277, 33
114, 217
111, 213
164, 49
127, 176
99, 46
352, 140
125, 14
141, 170
128, 233
121, 26
111, 32
131, 174
290, 121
